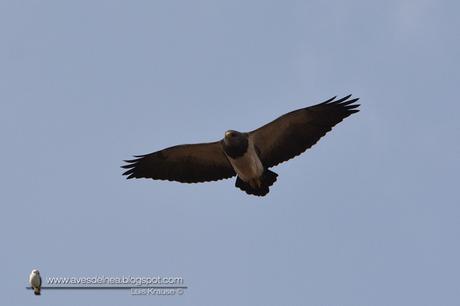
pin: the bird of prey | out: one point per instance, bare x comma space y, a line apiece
35, 281
248, 155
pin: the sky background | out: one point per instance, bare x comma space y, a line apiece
368, 216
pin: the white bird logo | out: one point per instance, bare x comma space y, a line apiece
35, 281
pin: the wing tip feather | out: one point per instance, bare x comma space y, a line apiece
345, 104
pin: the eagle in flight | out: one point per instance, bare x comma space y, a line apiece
248, 155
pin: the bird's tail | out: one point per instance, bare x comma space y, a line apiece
36, 291
260, 186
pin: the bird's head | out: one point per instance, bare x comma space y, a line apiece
233, 137
35, 271
235, 143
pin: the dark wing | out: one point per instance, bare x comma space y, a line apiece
190, 163
294, 132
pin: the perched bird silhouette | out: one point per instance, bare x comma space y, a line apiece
246, 155
35, 281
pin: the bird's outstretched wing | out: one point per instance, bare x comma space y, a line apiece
189, 163
295, 132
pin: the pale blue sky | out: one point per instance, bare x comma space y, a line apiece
369, 216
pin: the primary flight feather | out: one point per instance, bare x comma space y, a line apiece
246, 155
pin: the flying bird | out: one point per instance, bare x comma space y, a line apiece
35, 281
248, 155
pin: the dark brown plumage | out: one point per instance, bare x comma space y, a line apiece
240, 153
189, 163
297, 131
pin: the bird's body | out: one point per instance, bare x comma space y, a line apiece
35, 281
246, 155
248, 166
